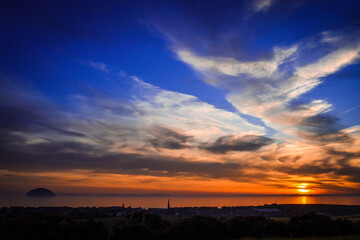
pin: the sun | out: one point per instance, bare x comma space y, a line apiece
303, 188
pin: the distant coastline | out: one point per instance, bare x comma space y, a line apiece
158, 201
205, 195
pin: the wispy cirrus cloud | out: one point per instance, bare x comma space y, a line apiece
266, 90
233, 67
262, 5
186, 112
98, 66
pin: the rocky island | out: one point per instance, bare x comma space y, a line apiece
40, 192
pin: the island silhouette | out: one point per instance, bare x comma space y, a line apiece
40, 192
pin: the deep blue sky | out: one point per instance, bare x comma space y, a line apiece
44, 43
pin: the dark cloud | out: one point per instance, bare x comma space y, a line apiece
46, 156
32, 116
332, 187
233, 143
167, 166
268, 158
24, 115
277, 185
289, 158
62, 131
167, 138
53, 156
325, 128
296, 105
335, 163
321, 124
307, 169
273, 158
28, 116
352, 172
20, 113
345, 167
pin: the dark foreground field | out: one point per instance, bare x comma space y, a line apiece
145, 225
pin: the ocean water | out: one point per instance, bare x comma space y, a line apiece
175, 201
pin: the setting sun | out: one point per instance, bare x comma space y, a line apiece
303, 188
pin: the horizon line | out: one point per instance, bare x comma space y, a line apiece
192, 195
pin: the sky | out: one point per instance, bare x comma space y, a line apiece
180, 97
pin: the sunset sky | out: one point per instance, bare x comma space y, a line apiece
180, 97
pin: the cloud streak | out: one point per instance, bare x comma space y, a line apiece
262, 5
237, 143
264, 89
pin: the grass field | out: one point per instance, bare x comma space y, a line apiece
354, 218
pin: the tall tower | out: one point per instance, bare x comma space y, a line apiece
168, 203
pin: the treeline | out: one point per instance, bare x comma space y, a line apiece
142, 225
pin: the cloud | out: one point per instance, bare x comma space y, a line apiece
324, 128
237, 143
98, 66
267, 88
341, 169
181, 111
162, 133
321, 124
234, 29
162, 118
264, 85
21, 112
328, 64
272, 90
167, 138
262, 5
232, 67
54, 156
349, 164
103, 133
330, 37
348, 110
307, 169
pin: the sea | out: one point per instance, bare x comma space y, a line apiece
175, 201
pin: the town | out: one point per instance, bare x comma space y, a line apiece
267, 210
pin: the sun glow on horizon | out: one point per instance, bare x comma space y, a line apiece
303, 188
